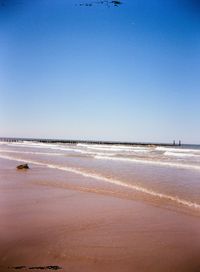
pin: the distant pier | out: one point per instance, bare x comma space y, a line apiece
53, 141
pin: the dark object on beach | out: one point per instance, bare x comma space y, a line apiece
53, 267
19, 267
49, 267
23, 166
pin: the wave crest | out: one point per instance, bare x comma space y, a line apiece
175, 199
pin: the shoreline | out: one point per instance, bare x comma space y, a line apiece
135, 188
86, 231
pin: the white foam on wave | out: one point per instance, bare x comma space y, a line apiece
32, 153
58, 154
179, 154
175, 199
29, 144
54, 148
114, 147
87, 149
151, 162
177, 150
47, 146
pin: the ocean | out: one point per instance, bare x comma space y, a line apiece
163, 176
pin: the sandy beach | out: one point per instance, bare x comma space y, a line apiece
100, 100
43, 224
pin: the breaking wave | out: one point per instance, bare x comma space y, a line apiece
177, 150
117, 182
174, 154
151, 162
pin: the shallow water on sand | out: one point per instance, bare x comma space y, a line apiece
163, 175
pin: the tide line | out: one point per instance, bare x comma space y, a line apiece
175, 199
150, 162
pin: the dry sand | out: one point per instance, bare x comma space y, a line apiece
44, 225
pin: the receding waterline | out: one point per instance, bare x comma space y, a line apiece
177, 200
150, 162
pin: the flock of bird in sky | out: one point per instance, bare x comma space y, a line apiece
107, 3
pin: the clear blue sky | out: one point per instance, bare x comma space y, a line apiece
127, 73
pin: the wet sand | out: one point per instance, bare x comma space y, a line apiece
46, 225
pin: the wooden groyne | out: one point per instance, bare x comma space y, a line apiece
53, 141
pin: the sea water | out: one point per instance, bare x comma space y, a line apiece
156, 173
